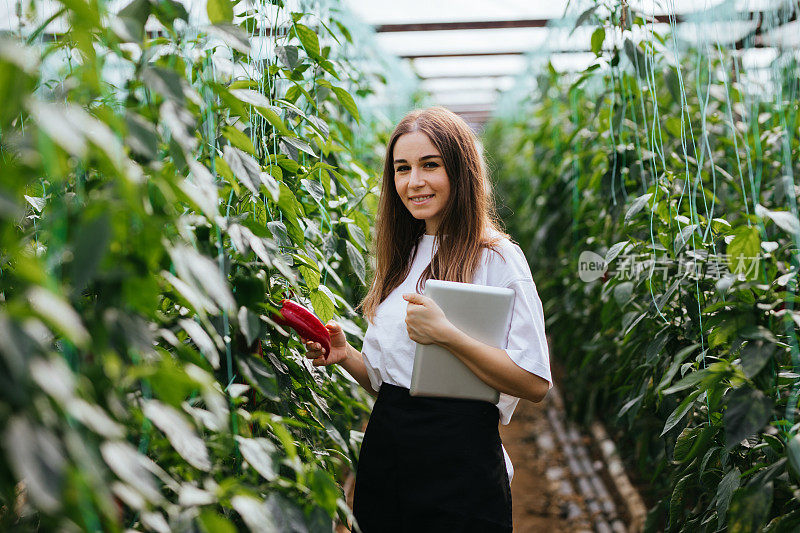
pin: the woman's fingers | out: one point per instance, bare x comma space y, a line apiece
313, 349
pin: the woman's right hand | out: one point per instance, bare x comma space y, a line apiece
338, 347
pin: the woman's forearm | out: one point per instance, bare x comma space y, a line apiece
494, 367
354, 364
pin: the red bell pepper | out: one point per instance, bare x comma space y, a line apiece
304, 322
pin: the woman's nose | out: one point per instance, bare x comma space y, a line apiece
415, 180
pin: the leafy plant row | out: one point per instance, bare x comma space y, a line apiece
679, 171
164, 185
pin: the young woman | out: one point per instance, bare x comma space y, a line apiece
437, 464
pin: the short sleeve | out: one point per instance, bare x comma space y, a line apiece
527, 342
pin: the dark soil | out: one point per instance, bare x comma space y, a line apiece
538, 504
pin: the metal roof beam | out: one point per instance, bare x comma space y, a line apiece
479, 25
467, 76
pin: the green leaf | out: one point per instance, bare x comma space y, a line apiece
244, 167
35, 456
748, 411
58, 122
756, 332
239, 139
133, 17
743, 252
259, 377
202, 340
279, 232
684, 237
166, 82
223, 169
793, 452
308, 38
166, 11
90, 248
750, 508
636, 57
630, 404
672, 82
363, 222
347, 102
679, 358
60, 314
249, 323
728, 484
142, 136
323, 306
275, 120
215, 523
341, 180
311, 276
356, 261
219, 11
357, 235
637, 205
314, 188
598, 37
258, 454
324, 489
180, 433
202, 276
255, 513
755, 355
685, 442
677, 499
615, 250
785, 220
300, 145
583, 17
683, 408
233, 36
133, 468
252, 97
673, 125
288, 205
287, 55
285, 437
689, 380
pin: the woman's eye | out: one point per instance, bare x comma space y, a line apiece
431, 164
401, 168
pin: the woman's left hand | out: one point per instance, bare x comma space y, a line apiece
425, 320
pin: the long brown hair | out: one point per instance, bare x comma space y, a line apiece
469, 222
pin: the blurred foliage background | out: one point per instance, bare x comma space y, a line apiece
677, 166
165, 184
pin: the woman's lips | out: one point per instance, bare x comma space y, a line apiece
423, 201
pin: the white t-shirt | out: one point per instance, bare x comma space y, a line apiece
389, 351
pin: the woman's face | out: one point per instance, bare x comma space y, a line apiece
419, 173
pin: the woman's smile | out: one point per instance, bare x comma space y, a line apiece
419, 200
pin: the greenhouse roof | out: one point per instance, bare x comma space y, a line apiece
465, 54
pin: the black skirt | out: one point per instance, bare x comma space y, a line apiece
431, 464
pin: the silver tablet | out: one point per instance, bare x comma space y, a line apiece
480, 311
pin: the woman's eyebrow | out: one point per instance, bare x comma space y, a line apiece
423, 158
